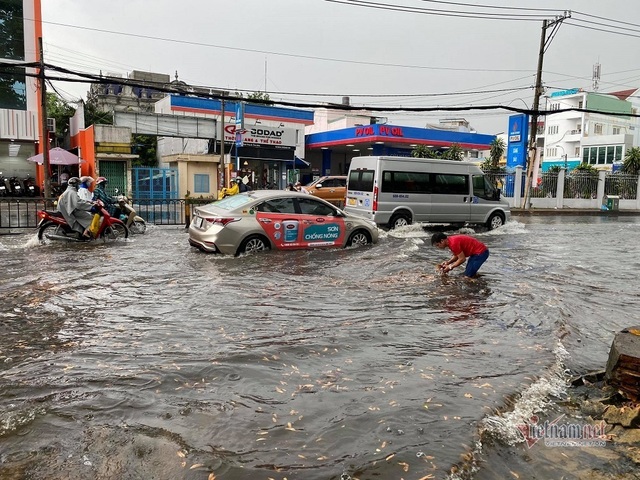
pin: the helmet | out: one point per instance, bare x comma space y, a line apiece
238, 179
74, 182
100, 180
86, 179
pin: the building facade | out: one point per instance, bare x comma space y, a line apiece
20, 127
597, 139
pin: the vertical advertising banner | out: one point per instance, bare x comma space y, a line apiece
239, 123
517, 144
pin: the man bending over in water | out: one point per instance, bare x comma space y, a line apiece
462, 247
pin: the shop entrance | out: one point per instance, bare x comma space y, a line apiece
263, 174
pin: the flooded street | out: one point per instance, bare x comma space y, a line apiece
149, 359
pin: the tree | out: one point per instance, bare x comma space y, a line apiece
497, 152
61, 112
262, 96
454, 152
145, 147
422, 151
631, 163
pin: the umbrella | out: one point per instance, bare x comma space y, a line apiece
58, 156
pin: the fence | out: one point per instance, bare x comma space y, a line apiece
573, 190
553, 190
22, 213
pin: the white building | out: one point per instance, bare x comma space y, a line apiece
597, 139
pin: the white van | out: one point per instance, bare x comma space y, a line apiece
396, 191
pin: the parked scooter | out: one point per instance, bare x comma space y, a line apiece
16, 187
5, 189
53, 227
138, 225
30, 188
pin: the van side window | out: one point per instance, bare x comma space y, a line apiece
361, 180
405, 182
451, 184
482, 188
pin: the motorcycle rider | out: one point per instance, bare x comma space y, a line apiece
76, 212
111, 204
83, 190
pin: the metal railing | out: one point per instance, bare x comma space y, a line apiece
623, 185
581, 185
22, 213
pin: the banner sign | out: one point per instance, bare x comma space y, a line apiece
517, 144
259, 135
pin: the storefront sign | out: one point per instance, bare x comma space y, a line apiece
379, 130
259, 135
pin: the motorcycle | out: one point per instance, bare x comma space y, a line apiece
138, 225
30, 188
53, 227
4, 183
16, 187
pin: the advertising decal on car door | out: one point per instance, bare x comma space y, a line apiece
302, 231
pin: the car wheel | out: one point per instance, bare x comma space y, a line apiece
254, 243
358, 238
399, 220
496, 220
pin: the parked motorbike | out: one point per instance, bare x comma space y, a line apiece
53, 227
30, 188
4, 183
138, 225
16, 187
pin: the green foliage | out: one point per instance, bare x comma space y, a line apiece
555, 169
497, 152
61, 111
262, 96
632, 161
585, 168
454, 152
93, 116
145, 147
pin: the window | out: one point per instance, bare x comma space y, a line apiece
361, 180
617, 130
451, 184
585, 155
200, 183
482, 188
553, 129
602, 154
406, 182
618, 153
13, 88
593, 155
580, 103
552, 152
597, 129
309, 206
277, 205
610, 154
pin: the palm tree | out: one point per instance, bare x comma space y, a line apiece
422, 151
454, 152
497, 152
632, 161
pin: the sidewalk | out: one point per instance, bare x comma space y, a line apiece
573, 211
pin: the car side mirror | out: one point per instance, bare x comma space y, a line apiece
318, 185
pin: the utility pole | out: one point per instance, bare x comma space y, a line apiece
45, 130
222, 164
531, 154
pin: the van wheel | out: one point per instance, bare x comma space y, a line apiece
399, 220
496, 220
358, 238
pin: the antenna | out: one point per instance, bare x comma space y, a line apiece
265, 74
596, 77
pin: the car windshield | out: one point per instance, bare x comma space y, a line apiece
232, 202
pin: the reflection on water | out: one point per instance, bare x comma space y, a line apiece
149, 359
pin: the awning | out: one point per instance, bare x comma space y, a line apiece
300, 163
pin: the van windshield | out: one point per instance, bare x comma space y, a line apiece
361, 180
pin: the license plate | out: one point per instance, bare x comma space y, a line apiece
351, 201
197, 222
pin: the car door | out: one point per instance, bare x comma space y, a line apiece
320, 226
280, 221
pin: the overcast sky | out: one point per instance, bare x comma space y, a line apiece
319, 50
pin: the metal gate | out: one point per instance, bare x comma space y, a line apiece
115, 173
155, 183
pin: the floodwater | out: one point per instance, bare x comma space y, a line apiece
148, 359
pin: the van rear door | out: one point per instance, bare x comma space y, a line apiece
451, 198
360, 191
